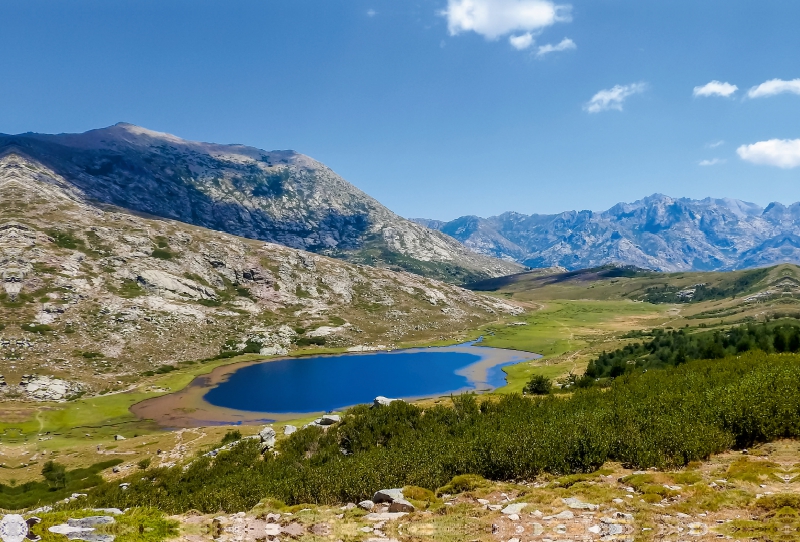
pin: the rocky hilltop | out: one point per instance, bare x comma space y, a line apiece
657, 232
92, 296
277, 196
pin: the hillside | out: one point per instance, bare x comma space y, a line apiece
96, 295
657, 232
278, 196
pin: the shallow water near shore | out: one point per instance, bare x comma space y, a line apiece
286, 388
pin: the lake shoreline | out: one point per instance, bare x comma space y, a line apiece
188, 408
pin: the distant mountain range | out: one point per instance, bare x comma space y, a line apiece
278, 196
657, 232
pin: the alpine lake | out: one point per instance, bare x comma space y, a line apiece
290, 388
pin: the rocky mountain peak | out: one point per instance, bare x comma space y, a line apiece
656, 232
278, 196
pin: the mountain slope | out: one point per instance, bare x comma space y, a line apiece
279, 196
657, 232
95, 295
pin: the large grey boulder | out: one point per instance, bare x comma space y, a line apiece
383, 401
329, 419
267, 436
387, 495
289, 429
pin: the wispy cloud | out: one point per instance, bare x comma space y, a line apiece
782, 153
495, 18
715, 88
613, 98
564, 45
773, 87
371, 13
712, 162
715, 144
522, 41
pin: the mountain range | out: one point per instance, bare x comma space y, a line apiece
278, 196
657, 232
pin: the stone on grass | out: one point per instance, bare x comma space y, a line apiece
289, 429
515, 508
384, 516
366, 505
401, 505
576, 504
387, 495
91, 521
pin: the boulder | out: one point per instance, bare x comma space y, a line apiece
366, 505
515, 508
119, 437
387, 495
576, 504
267, 436
91, 521
289, 429
383, 401
401, 505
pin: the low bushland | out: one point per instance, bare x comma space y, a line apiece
674, 347
654, 419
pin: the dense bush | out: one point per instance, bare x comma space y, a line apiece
732, 286
538, 385
667, 348
655, 419
58, 483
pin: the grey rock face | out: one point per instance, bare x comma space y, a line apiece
657, 232
277, 196
91, 521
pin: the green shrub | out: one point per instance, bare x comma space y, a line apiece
162, 254
462, 483
143, 463
662, 419
232, 436
538, 385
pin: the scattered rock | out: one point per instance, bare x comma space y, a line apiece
576, 504
384, 516
366, 505
515, 508
289, 429
91, 521
401, 505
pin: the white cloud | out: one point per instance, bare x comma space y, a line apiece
613, 98
522, 41
564, 45
495, 18
715, 144
715, 88
773, 87
371, 13
712, 162
783, 153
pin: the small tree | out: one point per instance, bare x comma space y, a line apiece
538, 385
55, 474
144, 463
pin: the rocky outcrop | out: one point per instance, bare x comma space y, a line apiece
94, 296
657, 232
277, 196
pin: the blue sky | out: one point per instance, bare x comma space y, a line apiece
437, 108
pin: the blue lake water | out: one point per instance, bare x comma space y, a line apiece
323, 383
